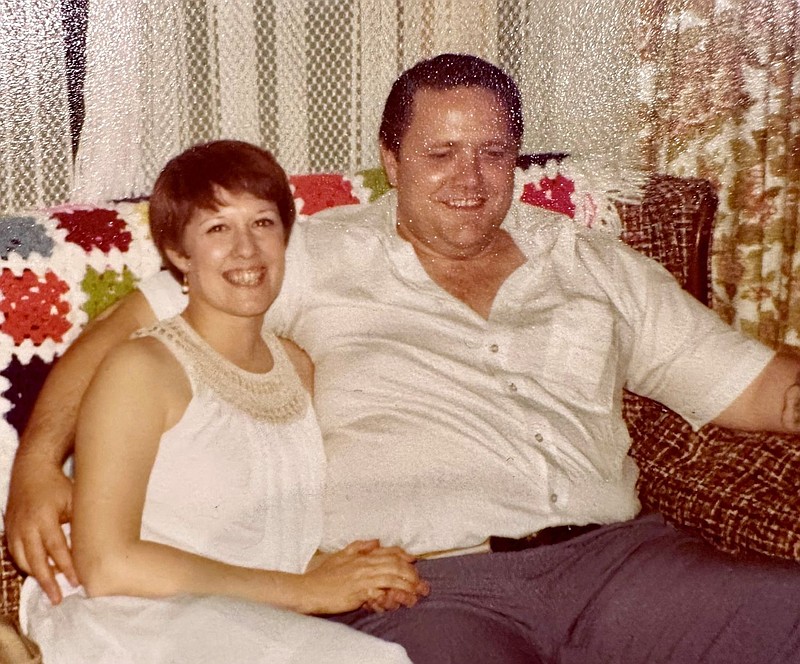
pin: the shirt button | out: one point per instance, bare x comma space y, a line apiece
553, 497
494, 348
512, 387
539, 437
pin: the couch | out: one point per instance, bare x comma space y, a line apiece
62, 266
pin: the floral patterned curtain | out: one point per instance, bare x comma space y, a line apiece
724, 104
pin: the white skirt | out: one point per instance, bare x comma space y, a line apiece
189, 629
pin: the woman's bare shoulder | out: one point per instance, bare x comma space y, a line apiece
141, 355
145, 367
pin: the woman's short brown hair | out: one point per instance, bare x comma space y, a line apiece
192, 181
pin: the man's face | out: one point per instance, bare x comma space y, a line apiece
454, 173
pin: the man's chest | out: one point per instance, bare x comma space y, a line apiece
474, 281
392, 333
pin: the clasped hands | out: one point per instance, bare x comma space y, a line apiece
363, 574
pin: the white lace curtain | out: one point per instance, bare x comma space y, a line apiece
307, 78
35, 144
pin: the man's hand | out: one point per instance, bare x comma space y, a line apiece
39, 501
40, 496
791, 406
394, 599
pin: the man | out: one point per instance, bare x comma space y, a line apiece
470, 355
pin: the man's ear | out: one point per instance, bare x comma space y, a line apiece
389, 161
178, 259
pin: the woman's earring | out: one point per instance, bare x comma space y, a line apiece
185, 285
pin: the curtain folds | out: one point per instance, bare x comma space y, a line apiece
307, 78
724, 81
35, 141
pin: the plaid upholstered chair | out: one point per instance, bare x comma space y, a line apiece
737, 490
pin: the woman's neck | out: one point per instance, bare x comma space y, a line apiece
237, 338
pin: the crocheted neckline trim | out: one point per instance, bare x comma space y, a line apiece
277, 396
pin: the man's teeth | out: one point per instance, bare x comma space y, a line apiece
244, 277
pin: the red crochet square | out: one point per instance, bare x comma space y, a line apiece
322, 191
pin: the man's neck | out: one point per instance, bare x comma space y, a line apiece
473, 279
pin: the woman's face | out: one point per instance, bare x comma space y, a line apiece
233, 257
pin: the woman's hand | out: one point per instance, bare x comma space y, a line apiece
394, 599
362, 574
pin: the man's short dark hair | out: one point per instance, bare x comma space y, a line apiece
445, 72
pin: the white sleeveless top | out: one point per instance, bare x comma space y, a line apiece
240, 477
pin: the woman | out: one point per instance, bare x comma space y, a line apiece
199, 463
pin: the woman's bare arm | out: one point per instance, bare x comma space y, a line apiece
139, 392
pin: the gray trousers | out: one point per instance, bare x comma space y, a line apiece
638, 592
